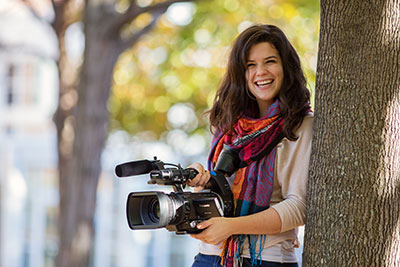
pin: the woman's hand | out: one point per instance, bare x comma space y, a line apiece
216, 230
201, 179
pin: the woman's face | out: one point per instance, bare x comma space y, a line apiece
264, 74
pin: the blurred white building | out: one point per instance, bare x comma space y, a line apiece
28, 162
28, 97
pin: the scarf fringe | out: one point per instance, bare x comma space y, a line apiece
255, 255
233, 246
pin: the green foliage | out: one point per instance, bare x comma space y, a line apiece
184, 64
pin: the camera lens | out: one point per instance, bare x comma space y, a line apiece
154, 210
150, 210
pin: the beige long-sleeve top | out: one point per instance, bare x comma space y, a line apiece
289, 191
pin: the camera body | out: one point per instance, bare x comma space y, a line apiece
179, 211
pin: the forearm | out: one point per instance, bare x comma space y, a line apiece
218, 229
265, 222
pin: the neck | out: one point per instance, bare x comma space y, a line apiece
263, 108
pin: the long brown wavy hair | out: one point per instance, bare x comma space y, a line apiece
233, 100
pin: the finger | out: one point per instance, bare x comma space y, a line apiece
198, 167
204, 224
200, 179
205, 177
194, 181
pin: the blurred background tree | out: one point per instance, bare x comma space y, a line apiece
108, 28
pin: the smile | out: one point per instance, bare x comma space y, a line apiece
263, 83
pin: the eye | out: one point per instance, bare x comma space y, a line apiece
270, 61
250, 65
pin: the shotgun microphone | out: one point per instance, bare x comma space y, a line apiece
135, 168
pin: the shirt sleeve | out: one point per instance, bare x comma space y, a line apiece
291, 174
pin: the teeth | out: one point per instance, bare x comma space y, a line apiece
263, 83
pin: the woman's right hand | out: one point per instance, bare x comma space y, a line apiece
201, 179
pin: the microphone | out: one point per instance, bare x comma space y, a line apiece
135, 168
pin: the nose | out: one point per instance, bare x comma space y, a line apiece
261, 70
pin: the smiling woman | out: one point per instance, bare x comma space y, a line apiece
261, 113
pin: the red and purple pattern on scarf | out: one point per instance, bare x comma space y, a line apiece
255, 142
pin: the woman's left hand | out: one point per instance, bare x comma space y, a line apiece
216, 230
201, 178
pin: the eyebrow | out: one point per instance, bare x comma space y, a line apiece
249, 60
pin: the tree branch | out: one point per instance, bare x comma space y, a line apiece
129, 42
66, 13
160, 6
134, 11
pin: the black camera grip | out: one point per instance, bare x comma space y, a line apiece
220, 185
190, 173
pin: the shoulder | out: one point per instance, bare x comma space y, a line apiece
306, 125
304, 129
303, 141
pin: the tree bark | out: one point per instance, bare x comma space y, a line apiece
353, 201
78, 192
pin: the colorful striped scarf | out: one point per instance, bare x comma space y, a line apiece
255, 142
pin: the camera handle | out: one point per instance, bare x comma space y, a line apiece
220, 185
185, 174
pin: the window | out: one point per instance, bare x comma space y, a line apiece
10, 85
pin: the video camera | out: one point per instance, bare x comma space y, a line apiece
178, 211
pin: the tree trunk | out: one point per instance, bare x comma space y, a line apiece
64, 120
78, 193
353, 201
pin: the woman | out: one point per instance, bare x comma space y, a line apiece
262, 112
